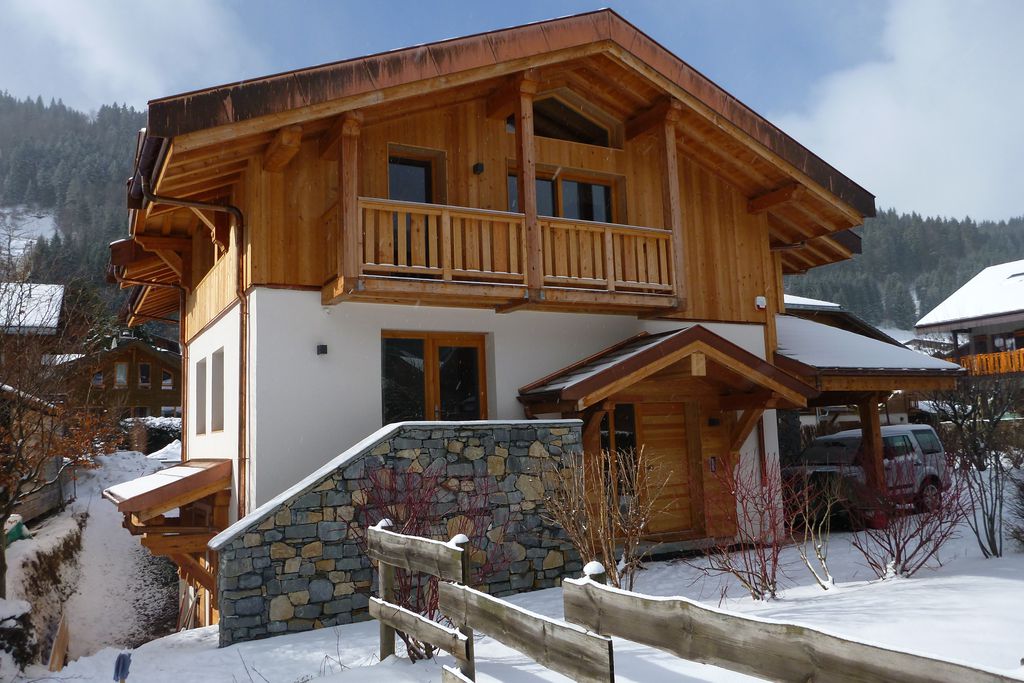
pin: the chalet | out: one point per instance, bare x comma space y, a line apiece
986, 320
561, 220
131, 376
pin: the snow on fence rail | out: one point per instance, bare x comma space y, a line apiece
766, 649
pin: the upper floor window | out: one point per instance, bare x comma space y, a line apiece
166, 379
97, 379
576, 121
201, 397
217, 391
416, 174
144, 375
568, 197
120, 374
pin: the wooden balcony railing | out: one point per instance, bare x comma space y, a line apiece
1001, 363
446, 243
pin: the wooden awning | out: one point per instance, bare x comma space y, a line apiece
844, 365
154, 494
742, 379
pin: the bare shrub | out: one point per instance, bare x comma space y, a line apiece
428, 505
812, 503
752, 557
1016, 505
605, 502
985, 447
907, 539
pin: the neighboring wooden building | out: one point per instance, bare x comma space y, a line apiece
130, 376
986, 320
559, 219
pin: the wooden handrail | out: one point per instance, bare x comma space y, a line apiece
997, 363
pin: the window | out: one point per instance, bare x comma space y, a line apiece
928, 441
896, 447
568, 198
140, 411
201, 397
120, 374
170, 411
410, 180
144, 375
166, 380
432, 376
553, 118
97, 379
217, 391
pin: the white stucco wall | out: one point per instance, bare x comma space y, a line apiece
305, 408
223, 334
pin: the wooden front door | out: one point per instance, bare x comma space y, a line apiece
662, 432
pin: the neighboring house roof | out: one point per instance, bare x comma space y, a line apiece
828, 348
29, 308
833, 314
803, 302
592, 379
7, 391
313, 89
994, 295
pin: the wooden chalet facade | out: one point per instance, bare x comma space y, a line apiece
986, 320
454, 231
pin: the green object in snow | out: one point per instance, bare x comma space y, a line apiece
16, 532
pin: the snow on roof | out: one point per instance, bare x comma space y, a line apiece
794, 301
996, 291
29, 308
823, 346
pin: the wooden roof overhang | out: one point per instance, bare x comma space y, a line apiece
848, 386
706, 361
200, 145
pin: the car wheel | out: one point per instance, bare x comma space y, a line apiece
929, 497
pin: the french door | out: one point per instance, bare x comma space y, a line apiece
433, 376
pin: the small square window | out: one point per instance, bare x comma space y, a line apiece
166, 380
170, 411
97, 379
140, 411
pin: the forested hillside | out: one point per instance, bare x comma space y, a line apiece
56, 159
910, 264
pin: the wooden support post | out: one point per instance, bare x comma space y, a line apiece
695, 460
467, 667
387, 593
672, 209
526, 161
871, 444
350, 237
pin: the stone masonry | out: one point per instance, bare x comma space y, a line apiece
299, 565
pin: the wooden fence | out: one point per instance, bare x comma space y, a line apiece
776, 651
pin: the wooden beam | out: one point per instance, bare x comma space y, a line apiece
887, 383
502, 102
871, 444
198, 572
649, 118
696, 364
672, 207
526, 163
350, 237
282, 149
217, 225
175, 544
744, 425
330, 141
156, 243
772, 199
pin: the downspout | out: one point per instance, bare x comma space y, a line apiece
243, 319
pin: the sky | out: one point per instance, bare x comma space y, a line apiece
919, 101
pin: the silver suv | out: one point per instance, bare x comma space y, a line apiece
914, 460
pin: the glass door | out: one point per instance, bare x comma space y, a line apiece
433, 376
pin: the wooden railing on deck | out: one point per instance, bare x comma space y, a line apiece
606, 256
1001, 363
442, 242
447, 243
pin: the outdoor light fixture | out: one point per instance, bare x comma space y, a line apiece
478, 168
321, 349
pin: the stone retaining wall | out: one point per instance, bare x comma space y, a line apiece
298, 564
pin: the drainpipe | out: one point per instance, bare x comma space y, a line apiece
243, 318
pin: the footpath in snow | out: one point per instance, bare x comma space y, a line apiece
969, 610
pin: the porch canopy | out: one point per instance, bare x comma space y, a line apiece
684, 365
201, 490
851, 369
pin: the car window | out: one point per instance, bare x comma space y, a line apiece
928, 441
896, 446
831, 451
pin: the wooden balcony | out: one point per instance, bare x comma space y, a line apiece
1001, 363
465, 256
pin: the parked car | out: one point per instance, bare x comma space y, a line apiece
914, 461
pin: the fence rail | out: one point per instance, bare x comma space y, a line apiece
776, 651
1000, 363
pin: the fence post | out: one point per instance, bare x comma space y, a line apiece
468, 667
595, 571
386, 589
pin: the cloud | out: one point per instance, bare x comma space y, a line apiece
936, 125
101, 51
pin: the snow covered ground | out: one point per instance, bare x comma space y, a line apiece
968, 609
